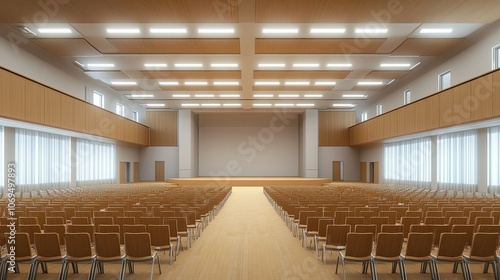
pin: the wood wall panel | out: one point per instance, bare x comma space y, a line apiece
363, 169
67, 109
481, 98
461, 98
496, 94
136, 172
80, 114
163, 128
446, 108
334, 128
52, 101
35, 111
13, 92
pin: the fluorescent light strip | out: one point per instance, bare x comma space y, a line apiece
392, 81
370, 83
262, 105
181, 95
231, 105
305, 105
313, 95
100, 65
289, 95
168, 30
411, 68
395, 65
263, 95
325, 83
263, 65
155, 65
226, 83
195, 83
371, 31
232, 65
188, 65
435, 30
229, 95
155, 105
284, 105
169, 83
141, 95
210, 105
80, 64
123, 30
190, 105
216, 30
280, 30
327, 30
354, 96
124, 83
308, 65
344, 105
55, 30
267, 83
204, 95
339, 65
297, 83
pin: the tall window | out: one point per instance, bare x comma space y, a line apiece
95, 162
379, 109
457, 161
364, 116
2, 159
494, 159
444, 80
98, 99
496, 57
408, 162
407, 96
42, 160
120, 109
135, 116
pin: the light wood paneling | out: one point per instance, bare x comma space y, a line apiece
446, 114
13, 95
480, 104
334, 128
315, 46
496, 94
52, 103
427, 114
408, 115
159, 171
67, 111
35, 111
80, 115
363, 170
67, 47
123, 173
163, 128
175, 46
461, 95
336, 171
426, 47
181, 75
317, 75
136, 172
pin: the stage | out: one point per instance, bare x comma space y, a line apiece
251, 181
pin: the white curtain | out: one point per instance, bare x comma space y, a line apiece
494, 159
95, 162
408, 162
2, 159
43, 160
457, 161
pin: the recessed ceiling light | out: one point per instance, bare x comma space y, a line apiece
229, 95
123, 30
344, 105
226, 83
327, 30
284, 105
354, 96
232, 65
411, 68
141, 95
168, 30
325, 83
55, 30
231, 105
124, 83
313, 95
79, 64
155, 65
216, 30
210, 105
289, 95
395, 65
370, 83
436, 30
155, 105
305, 105
190, 105
371, 30
280, 30
204, 95
306, 65
181, 95
339, 65
100, 65
263, 95
169, 83
302, 83
263, 65
188, 65
392, 81
195, 83
267, 83
262, 105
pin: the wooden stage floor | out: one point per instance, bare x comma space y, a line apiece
251, 181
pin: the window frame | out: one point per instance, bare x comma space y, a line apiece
120, 109
101, 96
364, 116
440, 80
135, 116
380, 109
407, 96
495, 52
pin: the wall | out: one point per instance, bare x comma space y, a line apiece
149, 155
350, 157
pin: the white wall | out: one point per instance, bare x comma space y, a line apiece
310, 137
248, 144
350, 157
148, 156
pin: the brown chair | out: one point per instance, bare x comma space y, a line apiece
138, 249
82, 228
483, 220
418, 249
438, 229
483, 250
358, 249
366, 229
321, 236
174, 236
59, 229
435, 220
354, 221
468, 229
407, 222
78, 249
28, 220
107, 249
336, 238
391, 228
451, 247
389, 246
108, 228
392, 215
103, 221
133, 228
160, 239
23, 254
31, 230
149, 221
311, 230
55, 221
379, 221
79, 221
48, 251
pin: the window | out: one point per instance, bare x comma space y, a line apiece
43, 160
135, 116
95, 162
457, 161
408, 162
120, 110
496, 57
379, 109
444, 80
2, 170
364, 116
407, 96
98, 99
494, 158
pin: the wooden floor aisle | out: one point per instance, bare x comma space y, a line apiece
248, 240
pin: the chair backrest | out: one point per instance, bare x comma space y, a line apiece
451, 244
389, 214
303, 215
389, 244
359, 244
340, 217
419, 244
434, 214
483, 220
125, 221
312, 224
108, 228
438, 229
79, 220
181, 224
422, 228
366, 229
484, 244
137, 245
59, 229
468, 229
103, 221
354, 221
337, 234
150, 221
78, 245
82, 228
160, 235
172, 223
31, 230
107, 245
322, 223
55, 221
133, 228
23, 245
379, 221
435, 220
489, 228
28, 220
391, 228
407, 222
47, 245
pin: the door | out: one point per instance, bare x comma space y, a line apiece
338, 171
123, 172
375, 173
362, 172
159, 171
136, 172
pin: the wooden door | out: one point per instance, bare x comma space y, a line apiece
337, 171
159, 171
136, 172
375, 173
362, 172
123, 172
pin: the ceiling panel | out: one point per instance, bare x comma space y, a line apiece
381, 74
67, 47
118, 11
176, 46
107, 75
425, 47
201, 88
126, 88
316, 46
292, 88
369, 88
258, 74
375, 11
185, 75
